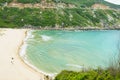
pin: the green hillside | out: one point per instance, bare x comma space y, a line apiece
15, 17
79, 17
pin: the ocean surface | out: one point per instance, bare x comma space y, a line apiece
51, 51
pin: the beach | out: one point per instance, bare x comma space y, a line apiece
12, 66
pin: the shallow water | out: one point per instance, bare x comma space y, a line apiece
53, 50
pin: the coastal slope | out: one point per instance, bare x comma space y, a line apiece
11, 66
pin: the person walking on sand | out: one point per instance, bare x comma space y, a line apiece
12, 60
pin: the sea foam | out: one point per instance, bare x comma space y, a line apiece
46, 38
52, 75
24, 46
73, 65
23, 52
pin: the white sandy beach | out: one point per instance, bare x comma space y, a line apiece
14, 69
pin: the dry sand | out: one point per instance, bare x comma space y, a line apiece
11, 65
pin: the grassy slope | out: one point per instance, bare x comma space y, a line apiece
14, 17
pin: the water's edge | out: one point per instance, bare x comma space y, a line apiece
22, 55
22, 52
71, 28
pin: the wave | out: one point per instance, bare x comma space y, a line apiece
73, 65
23, 50
45, 38
29, 35
22, 54
24, 46
38, 70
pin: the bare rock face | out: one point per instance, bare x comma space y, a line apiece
100, 6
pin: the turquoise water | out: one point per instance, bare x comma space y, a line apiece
53, 50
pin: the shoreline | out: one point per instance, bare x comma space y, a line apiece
21, 54
25, 62
70, 28
11, 44
11, 63
30, 27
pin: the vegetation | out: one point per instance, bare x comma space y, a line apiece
110, 73
29, 1
86, 3
78, 3
15, 17
98, 74
74, 17
2, 2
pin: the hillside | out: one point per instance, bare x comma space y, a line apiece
59, 18
63, 14
59, 14
56, 3
87, 3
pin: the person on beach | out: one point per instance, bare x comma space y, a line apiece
47, 77
12, 60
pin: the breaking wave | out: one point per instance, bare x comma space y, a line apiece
73, 65
46, 38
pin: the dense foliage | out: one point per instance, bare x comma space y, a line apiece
78, 3
98, 74
29, 1
14, 17
3, 1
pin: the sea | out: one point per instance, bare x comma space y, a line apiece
51, 51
